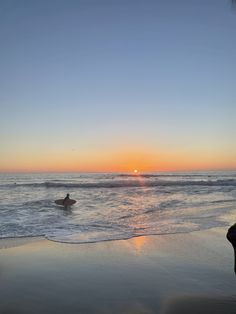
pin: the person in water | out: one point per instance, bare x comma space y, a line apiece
66, 198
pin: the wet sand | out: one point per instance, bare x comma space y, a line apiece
179, 273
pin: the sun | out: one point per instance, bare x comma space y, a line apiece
135, 171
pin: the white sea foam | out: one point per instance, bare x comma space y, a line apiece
114, 206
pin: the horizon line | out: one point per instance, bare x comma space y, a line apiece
125, 171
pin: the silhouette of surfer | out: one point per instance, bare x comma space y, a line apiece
66, 198
231, 236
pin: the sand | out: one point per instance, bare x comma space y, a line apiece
182, 273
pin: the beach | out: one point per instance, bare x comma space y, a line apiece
117, 164
175, 273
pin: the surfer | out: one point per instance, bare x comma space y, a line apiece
67, 201
66, 198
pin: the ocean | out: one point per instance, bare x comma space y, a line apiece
112, 206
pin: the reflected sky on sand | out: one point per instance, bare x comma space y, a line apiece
128, 276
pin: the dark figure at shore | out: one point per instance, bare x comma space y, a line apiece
231, 236
66, 198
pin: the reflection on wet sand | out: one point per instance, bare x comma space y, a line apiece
138, 243
133, 276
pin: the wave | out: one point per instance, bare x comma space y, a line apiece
174, 175
94, 236
126, 183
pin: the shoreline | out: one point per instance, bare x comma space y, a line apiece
146, 274
32, 238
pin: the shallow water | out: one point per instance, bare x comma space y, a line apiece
114, 206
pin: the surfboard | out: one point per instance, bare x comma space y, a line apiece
66, 203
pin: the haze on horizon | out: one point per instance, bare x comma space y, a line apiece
117, 85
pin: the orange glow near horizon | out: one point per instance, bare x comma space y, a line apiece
116, 166
136, 161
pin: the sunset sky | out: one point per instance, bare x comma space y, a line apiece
117, 85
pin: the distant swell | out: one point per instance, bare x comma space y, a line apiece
171, 175
128, 183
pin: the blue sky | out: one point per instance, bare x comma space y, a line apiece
92, 76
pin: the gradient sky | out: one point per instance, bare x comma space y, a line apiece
115, 85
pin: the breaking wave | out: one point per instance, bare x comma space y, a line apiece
127, 183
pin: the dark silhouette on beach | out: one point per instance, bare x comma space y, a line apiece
231, 236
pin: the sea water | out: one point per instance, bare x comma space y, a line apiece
113, 206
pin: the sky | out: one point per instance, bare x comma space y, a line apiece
117, 85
